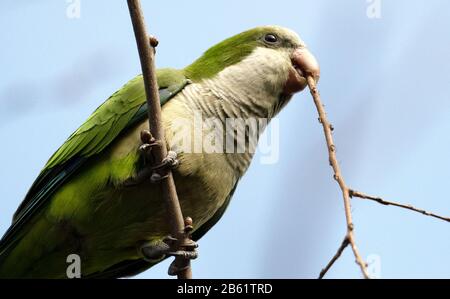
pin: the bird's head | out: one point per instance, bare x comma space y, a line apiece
271, 56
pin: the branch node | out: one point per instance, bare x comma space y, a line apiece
351, 193
188, 225
350, 227
341, 249
153, 41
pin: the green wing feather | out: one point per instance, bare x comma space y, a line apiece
108, 120
122, 110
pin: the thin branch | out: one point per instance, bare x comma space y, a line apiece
338, 254
361, 195
327, 129
147, 59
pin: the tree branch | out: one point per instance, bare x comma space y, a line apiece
147, 59
327, 129
361, 195
349, 193
330, 264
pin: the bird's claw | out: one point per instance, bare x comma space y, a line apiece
160, 171
156, 251
148, 142
170, 246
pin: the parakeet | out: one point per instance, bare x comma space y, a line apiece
88, 201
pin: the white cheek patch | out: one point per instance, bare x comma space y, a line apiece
251, 87
267, 65
265, 69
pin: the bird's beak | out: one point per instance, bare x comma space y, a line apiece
304, 64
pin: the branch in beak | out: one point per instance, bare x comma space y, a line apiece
305, 63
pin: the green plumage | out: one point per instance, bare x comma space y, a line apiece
79, 202
56, 210
113, 116
75, 160
226, 53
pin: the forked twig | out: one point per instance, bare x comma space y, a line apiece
327, 129
349, 193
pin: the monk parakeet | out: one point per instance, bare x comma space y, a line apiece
88, 201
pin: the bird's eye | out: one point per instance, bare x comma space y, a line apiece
270, 38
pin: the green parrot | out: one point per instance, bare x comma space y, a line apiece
88, 200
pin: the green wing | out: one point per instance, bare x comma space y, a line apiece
122, 110
134, 267
113, 116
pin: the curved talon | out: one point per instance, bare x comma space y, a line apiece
183, 251
168, 162
156, 173
146, 148
158, 250
192, 255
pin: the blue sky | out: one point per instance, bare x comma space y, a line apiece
385, 83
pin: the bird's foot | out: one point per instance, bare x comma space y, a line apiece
148, 143
160, 171
184, 250
155, 173
157, 250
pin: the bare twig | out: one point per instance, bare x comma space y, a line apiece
147, 58
349, 193
341, 249
327, 129
361, 195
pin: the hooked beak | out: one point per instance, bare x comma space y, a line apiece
304, 64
